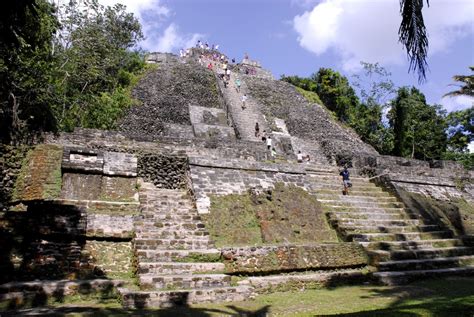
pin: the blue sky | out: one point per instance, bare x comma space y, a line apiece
297, 37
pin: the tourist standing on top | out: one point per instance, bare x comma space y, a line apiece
346, 181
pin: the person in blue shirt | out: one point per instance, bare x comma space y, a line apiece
345, 179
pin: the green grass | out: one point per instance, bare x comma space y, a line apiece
437, 297
443, 297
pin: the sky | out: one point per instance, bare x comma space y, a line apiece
297, 37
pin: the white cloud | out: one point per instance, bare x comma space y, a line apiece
171, 40
456, 103
153, 15
368, 29
140, 7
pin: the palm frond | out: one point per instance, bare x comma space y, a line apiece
412, 34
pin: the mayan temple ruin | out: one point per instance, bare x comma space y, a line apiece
184, 203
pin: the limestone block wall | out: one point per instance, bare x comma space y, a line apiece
211, 123
211, 177
100, 140
435, 187
180, 131
280, 258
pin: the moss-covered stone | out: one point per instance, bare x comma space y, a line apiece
40, 175
285, 258
11, 158
283, 214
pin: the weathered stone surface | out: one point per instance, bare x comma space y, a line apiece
11, 158
120, 164
83, 160
110, 226
293, 257
166, 93
163, 171
113, 258
305, 120
118, 189
40, 177
293, 282
235, 177
81, 186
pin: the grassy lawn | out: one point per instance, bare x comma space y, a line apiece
438, 297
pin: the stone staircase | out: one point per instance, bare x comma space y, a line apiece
402, 246
174, 255
244, 120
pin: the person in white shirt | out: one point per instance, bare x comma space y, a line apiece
269, 142
244, 99
299, 157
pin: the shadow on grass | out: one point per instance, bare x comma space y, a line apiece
184, 311
437, 297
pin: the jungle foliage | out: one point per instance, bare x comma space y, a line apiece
65, 67
394, 121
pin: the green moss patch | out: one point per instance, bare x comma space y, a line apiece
40, 175
283, 214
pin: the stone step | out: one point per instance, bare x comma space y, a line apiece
152, 210
412, 245
172, 244
175, 255
156, 227
399, 236
404, 277
426, 264
49, 287
186, 281
388, 229
350, 208
159, 217
150, 189
163, 299
333, 215
381, 255
338, 178
180, 267
353, 198
358, 204
343, 222
170, 234
337, 185
353, 193
176, 224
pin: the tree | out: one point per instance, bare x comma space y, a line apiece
335, 92
26, 60
412, 34
460, 130
375, 88
95, 64
418, 128
466, 88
